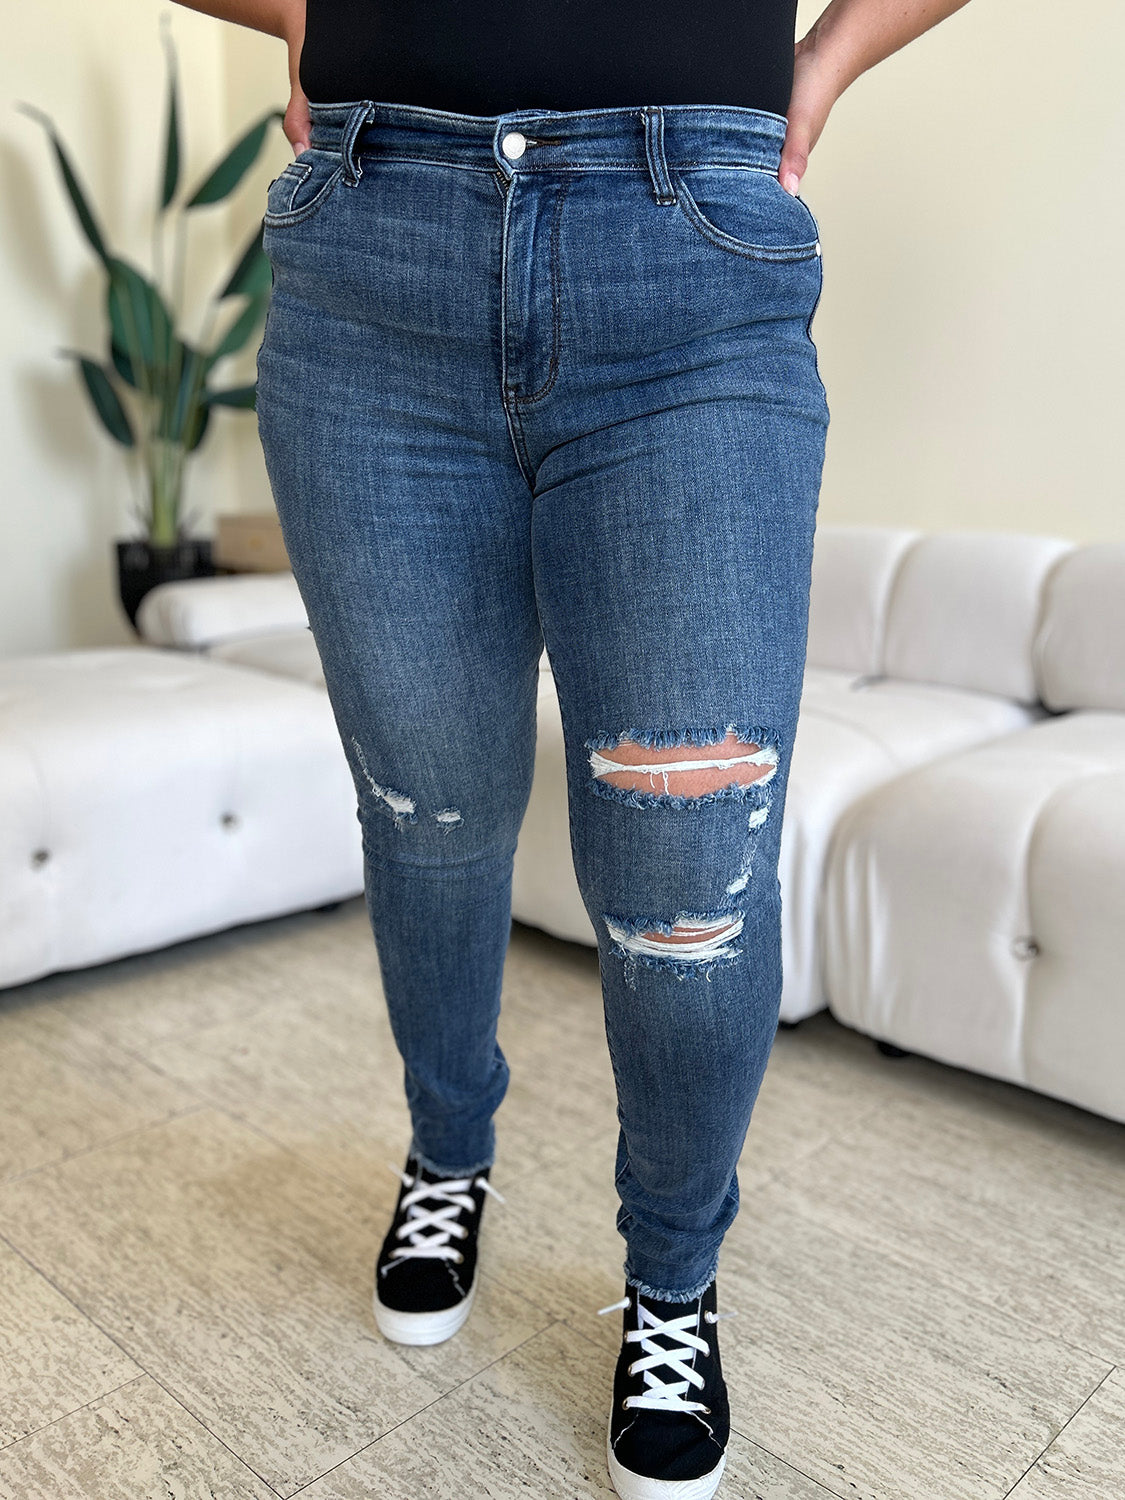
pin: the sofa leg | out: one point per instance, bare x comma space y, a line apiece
888, 1049
788, 1025
329, 906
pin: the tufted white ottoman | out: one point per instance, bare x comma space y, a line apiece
148, 796
973, 911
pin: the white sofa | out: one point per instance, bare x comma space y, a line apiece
974, 908
148, 796
938, 665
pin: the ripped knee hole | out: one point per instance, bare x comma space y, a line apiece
684, 770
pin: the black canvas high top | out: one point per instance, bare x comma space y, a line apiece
670, 1422
425, 1276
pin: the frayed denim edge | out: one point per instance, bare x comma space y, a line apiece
442, 1171
666, 739
666, 1296
682, 968
738, 791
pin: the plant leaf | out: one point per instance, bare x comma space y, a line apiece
245, 397
239, 332
82, 208
184, 399
194, 435
225, 177
105, 400
140, 321
122, 364
172, 127
253, 274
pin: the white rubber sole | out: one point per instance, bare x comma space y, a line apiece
422, 1328
632, 1486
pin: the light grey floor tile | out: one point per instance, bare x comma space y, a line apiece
925, 1266
135, 1444
240, 1279
64, 1088
555, 1239
52, 1359
873, 1378
1017, 1200
821, 1079
240, 971
1087, 1459
292, 1035
561, 1094
319, 1072
533, 1424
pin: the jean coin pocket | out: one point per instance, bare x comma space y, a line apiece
304, 187
747, 211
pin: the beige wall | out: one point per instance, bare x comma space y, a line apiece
969, 196
969, 193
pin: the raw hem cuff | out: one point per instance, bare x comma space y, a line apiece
441, 1170
664, 1295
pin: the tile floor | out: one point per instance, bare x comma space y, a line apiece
928, 1266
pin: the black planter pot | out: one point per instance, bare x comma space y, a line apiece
141, 566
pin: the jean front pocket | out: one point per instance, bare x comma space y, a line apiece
746, 210
303, 188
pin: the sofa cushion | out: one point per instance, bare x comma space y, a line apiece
147, 796
853, 570
829, 680
964, 610
198, 612
972, 910
288, 653
851, 738
1080, 648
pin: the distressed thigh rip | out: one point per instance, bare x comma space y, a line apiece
680, 770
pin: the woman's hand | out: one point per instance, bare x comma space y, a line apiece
814, 94
849, 37
296, 123
284, 19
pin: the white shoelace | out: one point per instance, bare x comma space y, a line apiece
429, 1230
665, 1395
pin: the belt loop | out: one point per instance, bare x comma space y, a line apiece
663, 190
361, 115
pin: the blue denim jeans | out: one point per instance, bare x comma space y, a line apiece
547, 378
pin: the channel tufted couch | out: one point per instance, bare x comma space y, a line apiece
953, 852
974, 907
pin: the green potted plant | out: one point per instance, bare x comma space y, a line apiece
154, 392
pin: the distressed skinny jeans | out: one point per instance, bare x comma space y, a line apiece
547, 378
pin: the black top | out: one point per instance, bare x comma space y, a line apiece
485, 57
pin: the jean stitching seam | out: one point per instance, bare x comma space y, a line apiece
519, 439
691, 211
568, 168
556, 310
296, 216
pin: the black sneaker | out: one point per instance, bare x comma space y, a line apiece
424, 1284
670, 1422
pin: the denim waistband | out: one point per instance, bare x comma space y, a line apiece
655, 137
